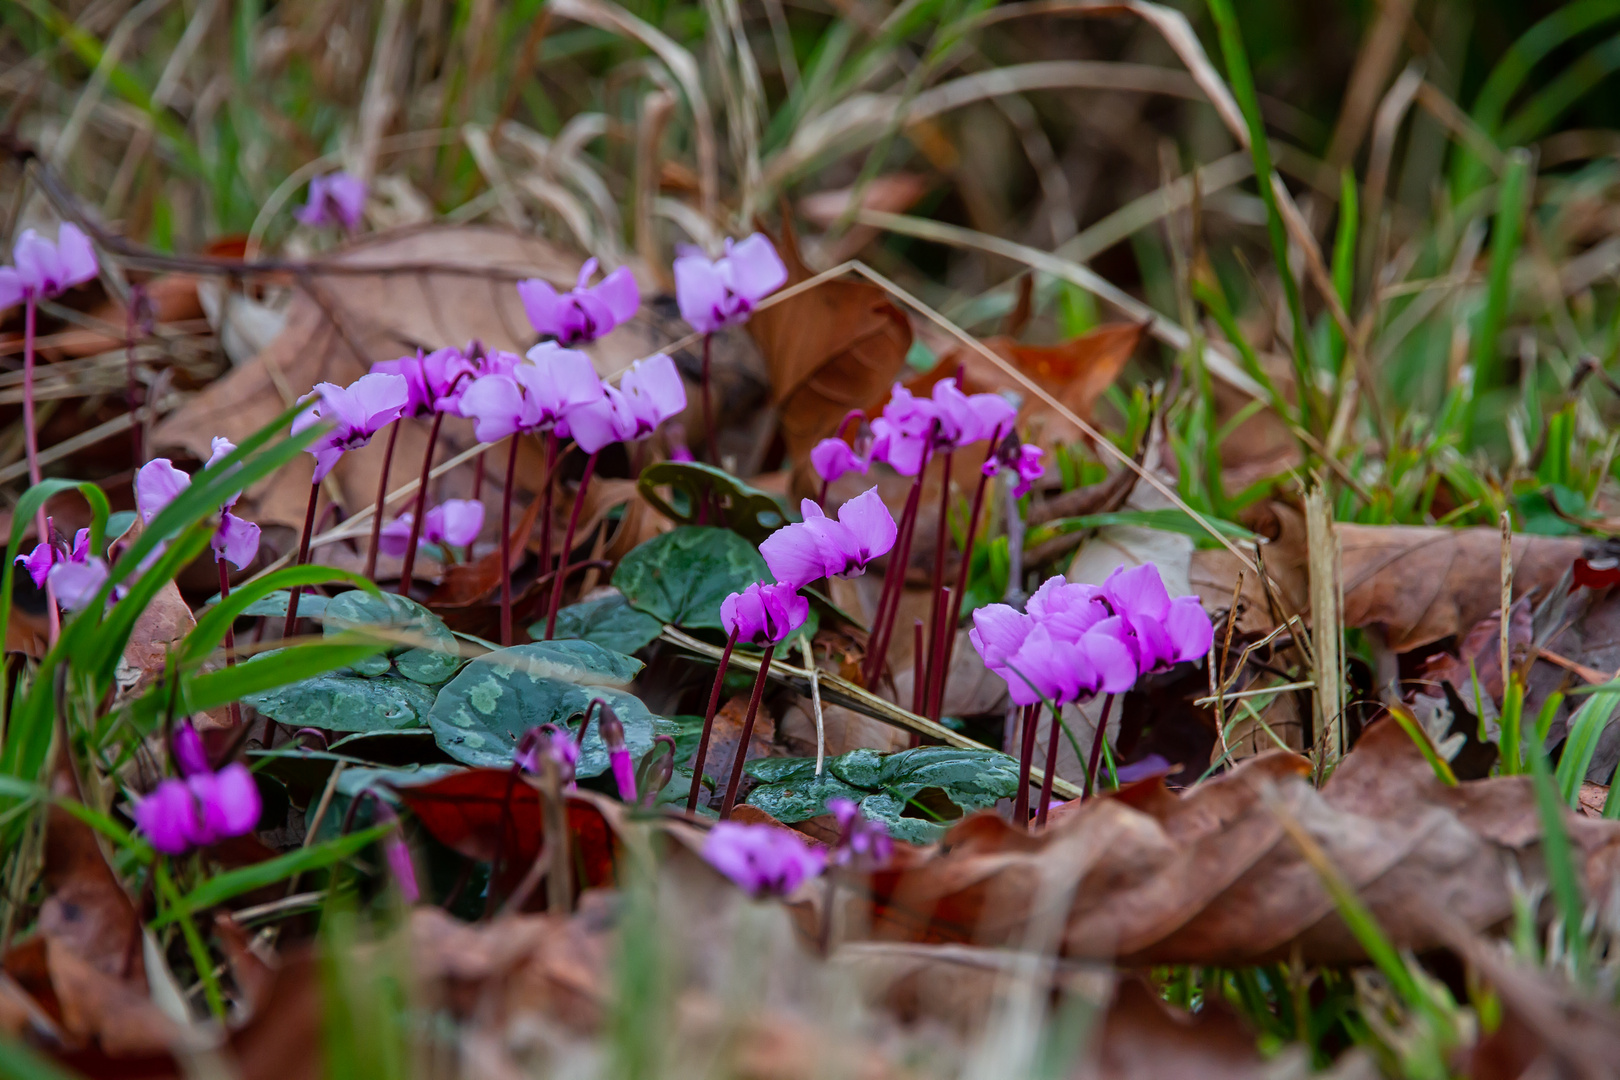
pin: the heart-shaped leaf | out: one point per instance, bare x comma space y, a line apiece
482, 713
972, 779
682, 576
746, 510
609, 621
347, 703
802, 797
890, 810
431, 662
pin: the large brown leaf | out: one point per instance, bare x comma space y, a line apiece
837, 347
1213, 878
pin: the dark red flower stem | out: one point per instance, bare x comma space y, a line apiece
919, 668
747, 734
303, 556
406, 571
553, 465
235, 707
568, 544
506, 542
1026, 758
960, 593
936, 657
382, 497
708, 407
708, 725
1050, 768
42, 525
942, 543
894, 580
1096, 747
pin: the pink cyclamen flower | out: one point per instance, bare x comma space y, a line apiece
398, 853
863, 844
649, 393
456, 522
434, 381
533, 396
550, 741
612, 731
41, 269
1161, 630
821, 547
356, 412
1022, 458
764, 614
762, 860
1067, 647
74, 575
201, 809
158, 483
336, 198
189, 754
968, 418
584, 313
901, 436
835, 458
722, 293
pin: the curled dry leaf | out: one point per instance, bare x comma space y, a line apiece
837, 347
1212, 878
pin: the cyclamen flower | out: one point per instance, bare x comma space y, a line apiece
200, 808
585, 313
1022, 458
334, 198
534, 396
764, 614
42, 269
714, 295
158, 483
762, 860
612, 731
649, 393
434, 382
456, 522
1067, 647
1162, 631
835, 458
820, 547
901, 436
357, 412
549, 741
75, 575
863, 844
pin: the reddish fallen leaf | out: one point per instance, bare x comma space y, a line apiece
487, 814
1596, 573
1479, 655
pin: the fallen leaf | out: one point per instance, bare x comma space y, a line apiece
837, 347
1211, 877
158, 629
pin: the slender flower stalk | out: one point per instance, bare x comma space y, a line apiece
936, 657
291, 624
382, 498
407, 570
937, 706
568, 545
554, 451
506, 540
741, 757
709, 444
1096, 753
942, 543
708, 724
1026, 760
919, 672
893, 587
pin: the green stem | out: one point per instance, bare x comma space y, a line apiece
194, 942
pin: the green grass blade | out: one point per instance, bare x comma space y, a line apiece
22, 516
1585, 727
1512, 199
1420, 738
1344, 261
1559, 856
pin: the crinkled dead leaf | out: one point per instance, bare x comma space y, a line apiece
1211, 878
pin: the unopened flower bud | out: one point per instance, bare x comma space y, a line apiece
656, 770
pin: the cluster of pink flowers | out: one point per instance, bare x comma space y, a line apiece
41, 269
1075, 641
912, 429
201, 806
75, 574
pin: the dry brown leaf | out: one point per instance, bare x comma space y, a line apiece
1212, 878
159, 627
834, 348
456, 286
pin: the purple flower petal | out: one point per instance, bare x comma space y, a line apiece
998, 632
75, 584
496, 403
619, 292
157, 484
37, 264
168, 817
229, 800
870, 523
834, 458
756, 269
189, 754
394, 538
762, 860
75, 255
38, 562
1136, 592
1191, 633
762, 614
603, 422
236, 541
456, 522
655, 388
12, 287
379, 400
700, 292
